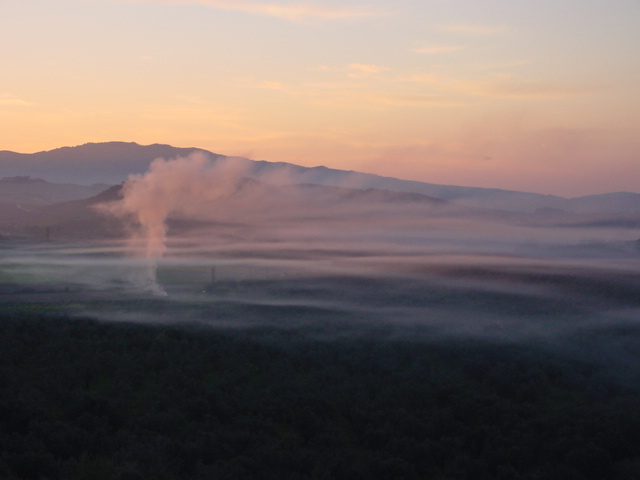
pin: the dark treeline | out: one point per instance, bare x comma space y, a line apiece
86, 400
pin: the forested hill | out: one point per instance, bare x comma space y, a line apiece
87, 400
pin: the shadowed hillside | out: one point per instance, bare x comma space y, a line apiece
112, 162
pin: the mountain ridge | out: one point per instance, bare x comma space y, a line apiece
112, 162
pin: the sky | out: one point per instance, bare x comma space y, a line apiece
532, 95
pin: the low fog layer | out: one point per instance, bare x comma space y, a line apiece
197, 241
449, 309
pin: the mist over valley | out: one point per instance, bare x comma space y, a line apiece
153, 246
224, 234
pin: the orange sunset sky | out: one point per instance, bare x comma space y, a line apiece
532, 95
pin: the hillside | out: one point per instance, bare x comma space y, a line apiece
26, 190
106, 163
250, 203
111, 163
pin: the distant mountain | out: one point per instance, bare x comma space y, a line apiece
111, 162
251, 204
30, 191
487, 198
106, 163
477, 197
620, 202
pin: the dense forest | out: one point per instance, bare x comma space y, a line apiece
81, 399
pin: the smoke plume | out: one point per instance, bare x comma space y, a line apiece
185, 187
226, 208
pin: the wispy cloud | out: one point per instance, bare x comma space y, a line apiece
475, 30
354, 70
7, 99
342, 94
540, 89
437, 49
443, 83
416, 99
427, 89
295, 12
501, 65
364, 70
272, 85
504, 86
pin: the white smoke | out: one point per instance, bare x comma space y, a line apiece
186, 187
271, 214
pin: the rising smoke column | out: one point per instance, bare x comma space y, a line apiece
184, 186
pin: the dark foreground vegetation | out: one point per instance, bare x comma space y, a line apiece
86, 400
